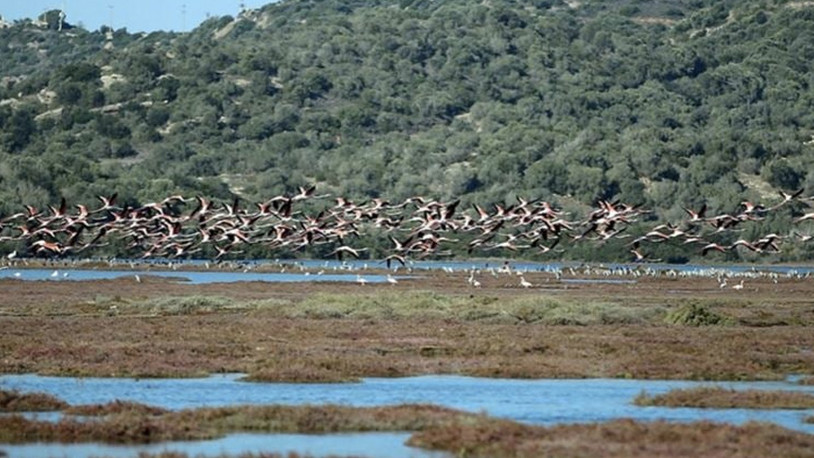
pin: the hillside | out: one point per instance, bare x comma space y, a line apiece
663, 103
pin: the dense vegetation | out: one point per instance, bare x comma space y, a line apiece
663, 103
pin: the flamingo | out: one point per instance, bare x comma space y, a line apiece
395, 257
713, 246
809, 215
696, 216
346, 249
787, 197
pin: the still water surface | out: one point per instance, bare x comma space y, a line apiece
192, 277
384, 445
544, 402
333, 271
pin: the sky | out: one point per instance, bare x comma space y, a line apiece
135, 15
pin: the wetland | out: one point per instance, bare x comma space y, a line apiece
423, 332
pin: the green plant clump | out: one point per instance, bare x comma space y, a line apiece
695, 314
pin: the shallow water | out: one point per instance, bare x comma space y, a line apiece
544, 402
385, 445
334, 271
607, 281
192, 277
533, 401
529, 266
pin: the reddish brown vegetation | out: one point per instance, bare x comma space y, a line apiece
141, 426
437, 428
242, 455
716, 397
620, 438
290, 332
282, 332
273, 348
114, 429
114, 408
15, 401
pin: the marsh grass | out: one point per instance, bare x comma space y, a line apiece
717, 397
619, 438
385, 305
695, 313
436, 325
15, 401
302, 372
116, 407
806, 381
188, 305
110, 429
273, 347
145, 424
434, 427
582, 313
404, 305
430, 305
540, 308
241, 455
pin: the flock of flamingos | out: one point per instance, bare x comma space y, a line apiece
417, 227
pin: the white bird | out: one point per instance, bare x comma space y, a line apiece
12, 255
55, 274
17, 274
739, 286
525, 283
360, 280
391, 280
138, 279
